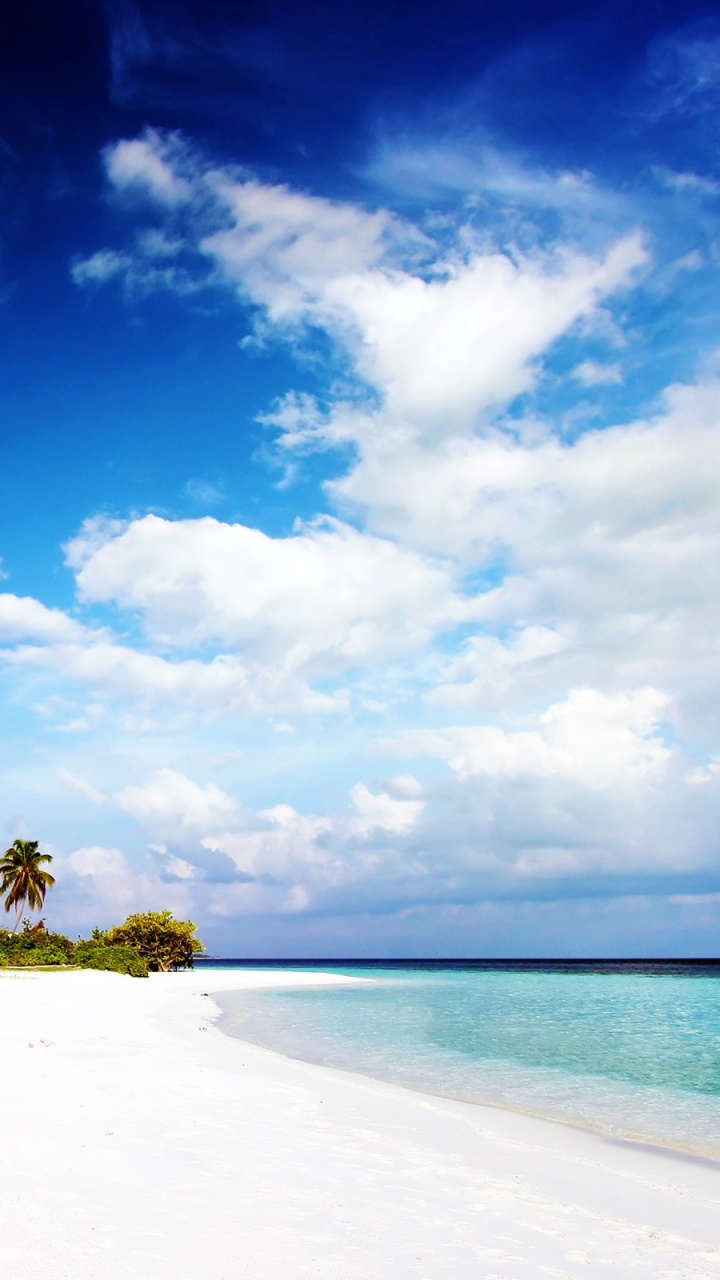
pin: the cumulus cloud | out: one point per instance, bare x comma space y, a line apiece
537, 595
326, 598
500, 490
280, 842
95, 860
597, 739
285, 841
598, 554
583, 796
227, 857
441, 351
24, 618
170, 804
381, 811
298, 862
99, 885
487, 668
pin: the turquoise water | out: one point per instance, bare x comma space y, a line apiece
631, 1054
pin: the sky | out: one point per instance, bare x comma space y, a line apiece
360, 471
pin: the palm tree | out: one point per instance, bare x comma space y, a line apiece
22, 877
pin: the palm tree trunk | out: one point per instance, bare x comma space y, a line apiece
19, 918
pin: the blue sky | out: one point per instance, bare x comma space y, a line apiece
360, 473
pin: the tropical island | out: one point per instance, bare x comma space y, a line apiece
169, 1149
146, 942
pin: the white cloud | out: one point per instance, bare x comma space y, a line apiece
441, 351
594, 374
100, 267
577, 565
285, 842
180, 868
101, 885
587, 789
148, 267
533, 498
299, 861
284, 247
603, 550
326, 598
441, 331
599, 740
439, 346
372, 812
486, 668
693, 182
170, 804
405, 787
220, 684
146, 163
96, 860
23, 618
206, 493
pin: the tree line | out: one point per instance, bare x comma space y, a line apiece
147, 942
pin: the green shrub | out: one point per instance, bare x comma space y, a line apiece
43, 956
164, 942
147, 942
35, 948
116, 959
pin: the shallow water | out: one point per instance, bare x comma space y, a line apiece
634, 1054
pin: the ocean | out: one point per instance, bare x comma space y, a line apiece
630, 1050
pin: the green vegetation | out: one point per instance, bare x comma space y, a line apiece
164, 942
23, 878
35, 946
93, 955
153, 941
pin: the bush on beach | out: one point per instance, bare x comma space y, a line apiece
148, 941
39, 949
163, 942
153, 941
93, 955
35, 947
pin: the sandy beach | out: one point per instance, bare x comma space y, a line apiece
141, 1142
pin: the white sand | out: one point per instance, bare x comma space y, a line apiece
140, 1142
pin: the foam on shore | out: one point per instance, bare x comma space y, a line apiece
140, 1142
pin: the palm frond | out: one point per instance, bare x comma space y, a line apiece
23, 878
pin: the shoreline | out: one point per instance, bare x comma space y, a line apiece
142, 1148
709, 1157
641, 1142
